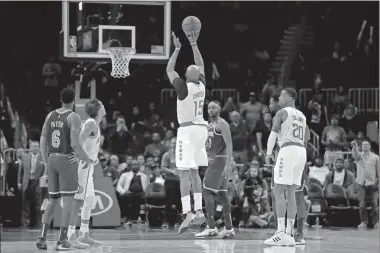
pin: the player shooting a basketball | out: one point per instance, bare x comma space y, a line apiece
192, 133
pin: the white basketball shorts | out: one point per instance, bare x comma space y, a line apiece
289, 166
191, 147
85, 181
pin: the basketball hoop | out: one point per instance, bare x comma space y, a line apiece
120, 57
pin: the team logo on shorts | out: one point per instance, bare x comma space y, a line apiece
80, 189
180, 149
281, 166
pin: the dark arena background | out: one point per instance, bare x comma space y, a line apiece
327, 51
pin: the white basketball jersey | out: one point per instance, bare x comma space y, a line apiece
191, 108
294, 127
92, 144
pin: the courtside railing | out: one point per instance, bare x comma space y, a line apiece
314, 143
365, 99
223, 94
305, 95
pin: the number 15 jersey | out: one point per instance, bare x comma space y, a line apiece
190, 109
294, 127
59, 132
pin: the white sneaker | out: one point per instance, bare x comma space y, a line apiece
280, 239
225, 233
208, 232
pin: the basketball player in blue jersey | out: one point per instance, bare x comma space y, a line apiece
302, 205
89, 139
289, 126
219, 147
192, 132
59, 139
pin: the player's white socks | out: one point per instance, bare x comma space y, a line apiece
289, 226
280, 224
84, 226
71, 230
197, 201
186, 206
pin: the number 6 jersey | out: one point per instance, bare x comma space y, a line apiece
293, 128
59, 132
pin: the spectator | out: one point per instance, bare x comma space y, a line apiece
252, 111
137, 120
318, 110
340, 101
334, 139
319, 171
172, 184
239, 136
168, 139
109, 171
126, 166
256, 209
253, 179
150, 168
351, 123
131, 187
121, 138
350, 166
262, 132
228, 108
11, 175
154, 147
368, 168
31, 169
339, 176
114, 162
51, 72
141, 162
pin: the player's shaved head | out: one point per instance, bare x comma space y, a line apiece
192, 73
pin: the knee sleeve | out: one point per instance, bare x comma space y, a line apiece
87, 207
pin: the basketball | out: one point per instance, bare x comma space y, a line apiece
191, 24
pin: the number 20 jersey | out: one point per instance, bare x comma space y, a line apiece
191, 108
59, 133
294, 127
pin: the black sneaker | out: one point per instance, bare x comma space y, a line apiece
41, 243
64, 245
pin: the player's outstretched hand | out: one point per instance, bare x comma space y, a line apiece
193, 36
176, 42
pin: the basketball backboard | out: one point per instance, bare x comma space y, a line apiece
90, 27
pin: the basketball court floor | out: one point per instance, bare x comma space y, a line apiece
145, 240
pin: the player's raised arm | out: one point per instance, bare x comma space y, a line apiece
43, 140
280, 117
88, 128
226, 133
172, 74
74, 123
193, 37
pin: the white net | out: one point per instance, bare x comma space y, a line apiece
120, 57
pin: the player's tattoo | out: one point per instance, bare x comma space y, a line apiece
278, 119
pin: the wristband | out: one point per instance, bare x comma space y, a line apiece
193, 43
177, 48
